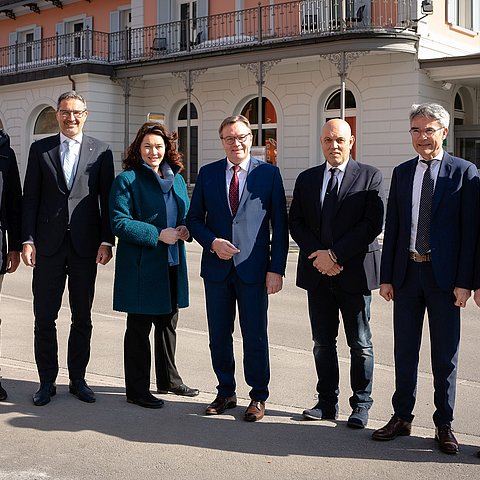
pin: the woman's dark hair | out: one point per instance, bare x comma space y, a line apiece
133, 157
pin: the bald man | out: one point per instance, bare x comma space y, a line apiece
336, 214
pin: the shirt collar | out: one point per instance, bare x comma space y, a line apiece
77, 139
244, 165
439, 156
341, 167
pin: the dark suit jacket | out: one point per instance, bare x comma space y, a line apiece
10, 202
453, 228
358, 220
262, 206
49, 208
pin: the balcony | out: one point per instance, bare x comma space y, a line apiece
265, 26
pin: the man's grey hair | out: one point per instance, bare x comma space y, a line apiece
68, 95
431, 110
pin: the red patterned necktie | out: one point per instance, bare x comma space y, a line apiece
233, 193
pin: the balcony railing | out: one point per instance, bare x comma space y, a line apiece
261, 25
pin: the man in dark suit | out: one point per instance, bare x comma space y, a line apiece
234, 204
66, 233
10, 215
335, 217
427, 263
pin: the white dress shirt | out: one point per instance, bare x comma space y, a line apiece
417, 190
326, 177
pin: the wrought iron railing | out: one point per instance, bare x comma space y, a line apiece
260, 25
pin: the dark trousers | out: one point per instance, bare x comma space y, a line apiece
252, 300
419, 292
49, 278
324, 305
137, 352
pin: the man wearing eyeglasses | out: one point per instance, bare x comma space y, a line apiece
427, 264
236, 203
66, 233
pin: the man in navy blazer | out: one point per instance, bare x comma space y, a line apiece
10, 215
235, 203
427, 264
338, 265
66, 233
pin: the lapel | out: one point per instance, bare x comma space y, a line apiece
56, 161
441, 183
405, 187
87, 150
254, 163
316, 182
219, 183
349, 177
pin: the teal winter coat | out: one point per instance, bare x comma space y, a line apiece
138, 215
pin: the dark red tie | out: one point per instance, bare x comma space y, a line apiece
233, 194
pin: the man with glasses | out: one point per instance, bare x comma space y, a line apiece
238, 214
427, 264
66, 233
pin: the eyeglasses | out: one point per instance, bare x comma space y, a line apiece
232, 140
76, 113
428, 132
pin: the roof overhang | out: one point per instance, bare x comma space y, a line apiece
463, 70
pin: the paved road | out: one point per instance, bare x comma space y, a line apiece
111, 439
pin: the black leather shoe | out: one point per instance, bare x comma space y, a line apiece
81, 390
182, 390
478, 454
3, 393
147, 401
396, 427
220, 404
45, 392
446, 439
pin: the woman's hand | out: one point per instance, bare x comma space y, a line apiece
169, 236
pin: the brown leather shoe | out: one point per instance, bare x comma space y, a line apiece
396, 427
446, 439
220, 404
255, 411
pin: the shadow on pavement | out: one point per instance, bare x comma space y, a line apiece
182, 422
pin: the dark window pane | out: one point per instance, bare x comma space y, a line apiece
333, 103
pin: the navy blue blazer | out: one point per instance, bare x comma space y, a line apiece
358, 220
453, 228
262, 207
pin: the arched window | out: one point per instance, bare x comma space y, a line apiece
459, 110
192, 166
45, 124
269, 128
332, 110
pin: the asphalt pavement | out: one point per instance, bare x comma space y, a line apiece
110, 439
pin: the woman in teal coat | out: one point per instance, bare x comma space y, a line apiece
148, 205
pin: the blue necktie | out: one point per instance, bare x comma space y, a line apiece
69, 162
422, 242
328, 208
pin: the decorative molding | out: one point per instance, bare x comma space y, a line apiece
56, 3
33, 7
8, 13
194, 74
343, 60
260, 69
126, 84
